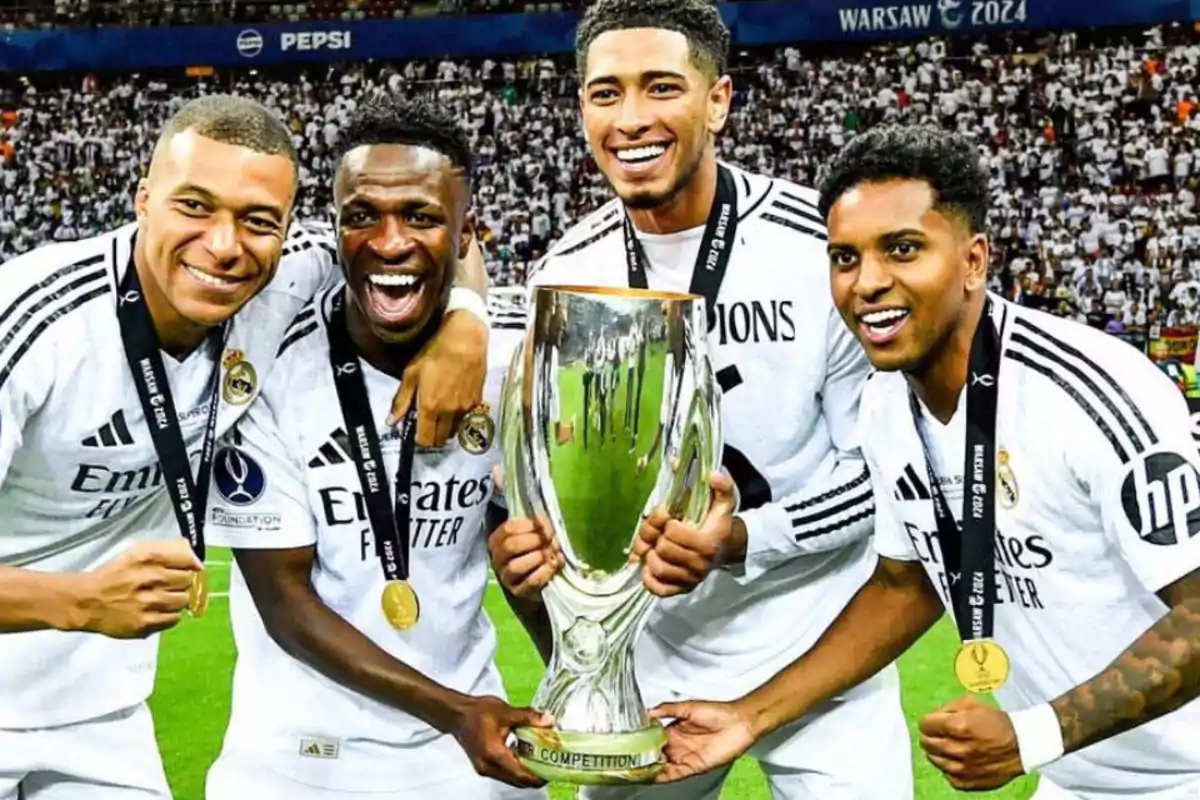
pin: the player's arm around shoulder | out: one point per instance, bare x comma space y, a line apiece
275, 545
447, 376
1144, 475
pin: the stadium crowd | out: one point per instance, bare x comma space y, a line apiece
45, 14
1092, 142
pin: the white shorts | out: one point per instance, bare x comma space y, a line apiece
1049, 790
854, 748
114, 757
239, 775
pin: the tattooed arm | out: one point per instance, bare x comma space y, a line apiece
1157, 674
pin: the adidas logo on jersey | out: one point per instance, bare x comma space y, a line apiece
319, 748
910, 486
114, 433
335, 451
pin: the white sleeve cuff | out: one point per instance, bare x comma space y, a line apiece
1039, 736
766, 548
464, 299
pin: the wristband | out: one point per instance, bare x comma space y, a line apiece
1039, 736
464, 299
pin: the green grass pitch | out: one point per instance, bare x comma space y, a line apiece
191, 701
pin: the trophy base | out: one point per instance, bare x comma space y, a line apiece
592, 759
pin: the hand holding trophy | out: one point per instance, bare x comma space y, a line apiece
610, 411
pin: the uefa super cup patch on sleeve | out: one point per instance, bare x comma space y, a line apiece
240, 480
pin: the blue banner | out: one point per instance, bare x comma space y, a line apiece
752, 23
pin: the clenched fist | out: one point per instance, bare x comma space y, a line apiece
525, 556
679, 555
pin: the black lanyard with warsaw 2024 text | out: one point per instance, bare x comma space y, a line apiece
189, 495
389, 519
715, 248
981, 664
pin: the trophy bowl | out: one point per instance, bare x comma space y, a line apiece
610, 410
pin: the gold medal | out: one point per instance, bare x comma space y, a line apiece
198, 594
401, 607
981, 666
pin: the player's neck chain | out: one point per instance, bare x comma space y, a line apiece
981, 665
720, 233
143, 352
388, 516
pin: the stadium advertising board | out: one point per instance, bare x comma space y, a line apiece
872, 19
758, 23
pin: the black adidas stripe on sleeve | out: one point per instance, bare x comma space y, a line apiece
742, 215
1093, 389
578, 246
39, 307
295, 335
833, 510
911, 486
591, 240
795, 218
42, 286
303, 316
305, 236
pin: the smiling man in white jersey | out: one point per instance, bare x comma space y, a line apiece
1073, 572
365, 658
120, 361
796, 549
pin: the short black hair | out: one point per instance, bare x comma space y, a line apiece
947, 161
230, 119
698, 20
388, 118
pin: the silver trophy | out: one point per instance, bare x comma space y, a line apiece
610, 410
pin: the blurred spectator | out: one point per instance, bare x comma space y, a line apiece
133, 13
1091, 141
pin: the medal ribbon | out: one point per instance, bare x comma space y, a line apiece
971, 553
389, 521
715, 248
189, 496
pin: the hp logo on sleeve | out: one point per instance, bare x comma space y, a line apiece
238, 477
1161, 498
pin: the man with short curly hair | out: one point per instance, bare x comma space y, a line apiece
1034, 477
366, 663
786, 542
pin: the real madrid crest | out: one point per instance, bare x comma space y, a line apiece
477, 431
1006, 481
241, 380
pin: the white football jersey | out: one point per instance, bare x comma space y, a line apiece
791, 375
79, 477
1098, 508
288, 480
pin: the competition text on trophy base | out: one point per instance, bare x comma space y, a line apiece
590, 759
